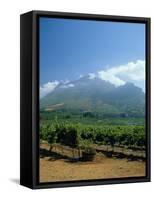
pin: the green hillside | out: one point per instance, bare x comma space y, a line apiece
96, 96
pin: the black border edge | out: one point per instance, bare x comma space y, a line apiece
35, 99
70, 15
35, 102
148, 97
26, 166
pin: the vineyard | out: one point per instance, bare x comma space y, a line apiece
88, 139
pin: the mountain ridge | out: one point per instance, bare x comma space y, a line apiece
96, 95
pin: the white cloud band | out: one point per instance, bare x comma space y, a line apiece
131, 72
67, 86
48, 87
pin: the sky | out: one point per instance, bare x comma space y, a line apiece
70, 49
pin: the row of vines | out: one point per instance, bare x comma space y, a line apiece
79, 135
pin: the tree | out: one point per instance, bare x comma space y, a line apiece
111, 138
51, 136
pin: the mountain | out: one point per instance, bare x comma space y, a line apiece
96, 95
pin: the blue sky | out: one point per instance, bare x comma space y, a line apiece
71, 48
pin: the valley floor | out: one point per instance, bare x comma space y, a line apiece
57, 168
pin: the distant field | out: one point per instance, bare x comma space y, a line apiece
79, 117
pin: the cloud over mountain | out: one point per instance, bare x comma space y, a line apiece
47, 88
131, 72
67, 85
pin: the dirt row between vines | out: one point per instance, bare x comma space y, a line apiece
57, 167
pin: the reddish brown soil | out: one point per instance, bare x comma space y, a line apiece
54, 167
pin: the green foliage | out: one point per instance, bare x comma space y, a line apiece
80, 135
67, 135
48, 133
77, 116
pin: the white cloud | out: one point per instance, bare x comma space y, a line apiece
65, 81
48, 87
67, 86
71, 85
107, 76
131, 72
91, 75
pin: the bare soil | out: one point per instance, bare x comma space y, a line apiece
55, 167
